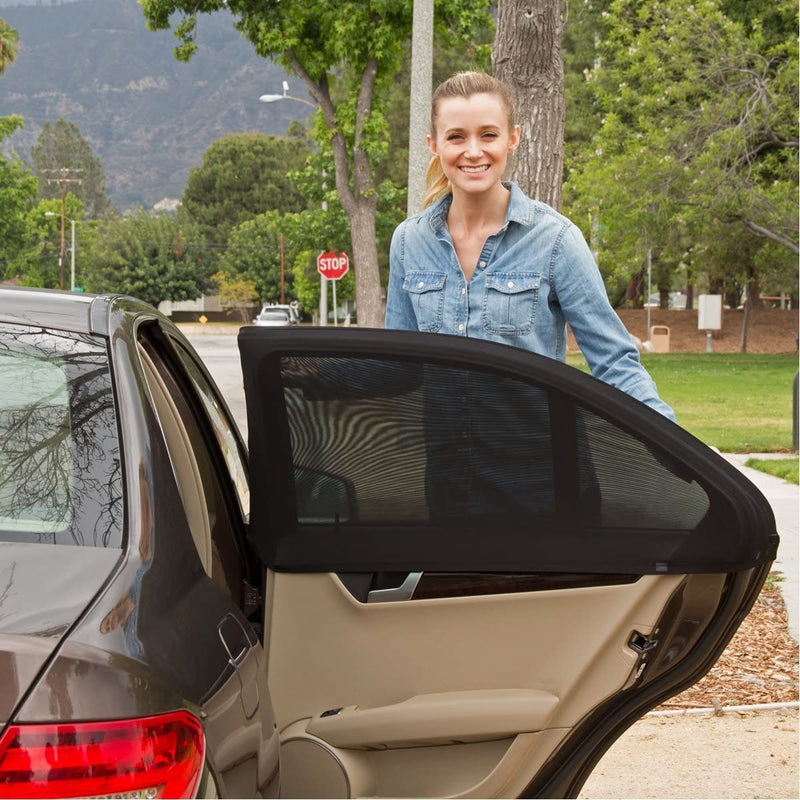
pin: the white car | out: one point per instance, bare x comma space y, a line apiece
277, 316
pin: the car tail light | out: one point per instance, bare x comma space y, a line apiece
159, 756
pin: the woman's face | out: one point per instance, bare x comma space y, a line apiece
473, 141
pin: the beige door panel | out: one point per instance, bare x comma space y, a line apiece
327, 650
445, 672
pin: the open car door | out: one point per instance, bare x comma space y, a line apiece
482, 565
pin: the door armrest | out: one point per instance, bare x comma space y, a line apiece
441, 718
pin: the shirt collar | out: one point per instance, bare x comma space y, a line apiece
519, 208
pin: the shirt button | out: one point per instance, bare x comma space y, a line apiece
421, 284
511, 284
461, 326
482, 263
463, 290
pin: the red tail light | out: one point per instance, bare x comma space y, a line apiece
150, 757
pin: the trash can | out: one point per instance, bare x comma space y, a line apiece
659, 336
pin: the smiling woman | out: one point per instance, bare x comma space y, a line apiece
485, 261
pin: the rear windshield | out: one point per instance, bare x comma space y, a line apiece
60, 470
274, 315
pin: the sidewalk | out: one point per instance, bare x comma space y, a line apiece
785, 501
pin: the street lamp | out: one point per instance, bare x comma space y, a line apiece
271, 98
71, 250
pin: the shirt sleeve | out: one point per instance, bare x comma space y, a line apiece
399, 311
599, 332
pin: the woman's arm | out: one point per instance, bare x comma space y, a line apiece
600, 334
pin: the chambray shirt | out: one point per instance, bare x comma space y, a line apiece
533, 276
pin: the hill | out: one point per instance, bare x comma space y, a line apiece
148, 116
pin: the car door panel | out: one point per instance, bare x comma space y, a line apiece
558, 559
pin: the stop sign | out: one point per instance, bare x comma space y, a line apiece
332, 265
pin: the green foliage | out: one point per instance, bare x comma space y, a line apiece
242, 175
236, 291
786, 468
37, 263
152, 256
17, 195
697, 144
9, 40
254, 254
62, 146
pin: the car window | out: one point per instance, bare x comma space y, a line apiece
223, 429
224, 560
273, 315
60, 471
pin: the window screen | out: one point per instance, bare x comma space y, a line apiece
421, 444
60, 480
405, 451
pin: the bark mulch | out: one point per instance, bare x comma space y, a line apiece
760, 664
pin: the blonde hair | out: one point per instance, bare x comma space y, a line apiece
462, 84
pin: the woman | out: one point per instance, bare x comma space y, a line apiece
484, 260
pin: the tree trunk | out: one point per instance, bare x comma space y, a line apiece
689, 289
369, 302
357, 198
753, 288
634, 295
663, 299
526, 56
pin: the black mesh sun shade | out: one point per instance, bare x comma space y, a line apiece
385, 450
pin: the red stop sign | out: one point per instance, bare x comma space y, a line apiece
332, 265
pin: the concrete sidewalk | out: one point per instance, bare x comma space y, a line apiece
785, 501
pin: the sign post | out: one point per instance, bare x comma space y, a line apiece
333, 265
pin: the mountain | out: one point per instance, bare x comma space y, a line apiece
148, 116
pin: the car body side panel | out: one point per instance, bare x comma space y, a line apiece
44, 589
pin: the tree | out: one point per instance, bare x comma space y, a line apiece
254, 253
17, 195
62, 146
236, 292
242, 175
37, 263
150, 255
346, 54
527, 58
9, 39
698, 142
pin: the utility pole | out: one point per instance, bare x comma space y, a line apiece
63, 178
420, 102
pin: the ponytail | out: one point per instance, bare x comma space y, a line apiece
436, 184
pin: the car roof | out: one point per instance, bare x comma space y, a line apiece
70, 311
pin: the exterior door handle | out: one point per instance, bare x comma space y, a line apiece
405, 591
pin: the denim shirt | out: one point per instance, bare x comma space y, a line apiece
533, 276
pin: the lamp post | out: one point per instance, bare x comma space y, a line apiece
71, 250
271, 98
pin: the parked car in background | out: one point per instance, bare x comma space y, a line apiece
462, 568
277, 316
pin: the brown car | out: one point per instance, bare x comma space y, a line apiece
449, 568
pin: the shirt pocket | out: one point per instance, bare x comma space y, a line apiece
426, 290
509, 302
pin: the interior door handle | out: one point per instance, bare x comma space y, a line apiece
405, 591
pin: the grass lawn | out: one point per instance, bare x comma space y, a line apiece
740, 403
786, 468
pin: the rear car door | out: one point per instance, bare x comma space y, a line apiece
482, 565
